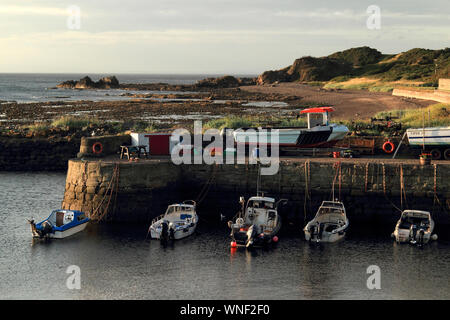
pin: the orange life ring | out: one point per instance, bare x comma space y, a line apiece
97, 148
389, 149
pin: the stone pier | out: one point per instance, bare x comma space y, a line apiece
372, 190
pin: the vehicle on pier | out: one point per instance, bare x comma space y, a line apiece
257, 223
60, 224
178, 222
415, 227
318, 134
436, 140
329, 224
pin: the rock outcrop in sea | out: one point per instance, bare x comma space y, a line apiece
88, 83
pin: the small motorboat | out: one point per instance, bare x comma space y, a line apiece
179, 221
257, 224
330, 223
60, 224
415, 227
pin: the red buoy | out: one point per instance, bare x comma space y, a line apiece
233, 244
275, 239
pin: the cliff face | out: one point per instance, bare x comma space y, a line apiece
87, 83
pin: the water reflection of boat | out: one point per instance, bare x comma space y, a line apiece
60, 224
257, 224
178, 222
415, 227
330, 223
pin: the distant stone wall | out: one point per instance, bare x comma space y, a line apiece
444, 84
31, 154
370, 190
435, 95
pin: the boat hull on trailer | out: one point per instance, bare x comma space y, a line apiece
438, 136
316, 137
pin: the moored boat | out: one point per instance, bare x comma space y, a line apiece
60, 224
178, 222
257, 223
329, 224
415, 227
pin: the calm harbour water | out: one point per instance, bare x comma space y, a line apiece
117, 263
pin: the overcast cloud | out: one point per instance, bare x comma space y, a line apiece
228, 36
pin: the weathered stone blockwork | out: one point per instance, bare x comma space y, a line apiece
371, 190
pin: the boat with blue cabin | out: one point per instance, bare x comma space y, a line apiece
60, 224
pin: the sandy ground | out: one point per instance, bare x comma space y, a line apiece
350, 104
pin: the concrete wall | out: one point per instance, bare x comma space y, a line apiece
444, 84
146, 188
435, 95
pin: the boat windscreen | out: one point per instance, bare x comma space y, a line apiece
260, 204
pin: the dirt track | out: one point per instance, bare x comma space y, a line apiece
350, 104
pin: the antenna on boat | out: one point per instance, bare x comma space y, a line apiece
258, 180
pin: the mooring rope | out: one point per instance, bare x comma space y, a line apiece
202, 195
384, 188
109, 190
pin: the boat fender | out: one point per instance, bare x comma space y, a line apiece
239, 221
275, 239
230, 223
388, 147
97, 148
434, 237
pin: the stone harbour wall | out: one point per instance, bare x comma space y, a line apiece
371, 190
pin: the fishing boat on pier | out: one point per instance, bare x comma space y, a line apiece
319, 133
433, 139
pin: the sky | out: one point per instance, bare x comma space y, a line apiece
206, 36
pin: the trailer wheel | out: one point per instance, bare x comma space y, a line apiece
447, 154
436, 154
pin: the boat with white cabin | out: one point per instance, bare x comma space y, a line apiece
329, 224
415, 227
179, 221
60, 224
257, 223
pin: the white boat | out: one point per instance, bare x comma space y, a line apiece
429, 136
318, 134
179, 221
415, 227
330, 223
257, 224
60, 224
436, 140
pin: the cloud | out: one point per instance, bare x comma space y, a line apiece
33, 10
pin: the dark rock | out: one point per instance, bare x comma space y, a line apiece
87, 83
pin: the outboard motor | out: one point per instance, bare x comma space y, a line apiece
171, 231
164, 231
320, 231
313, 231
421, 237
413, 234
46, 228
252, 232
